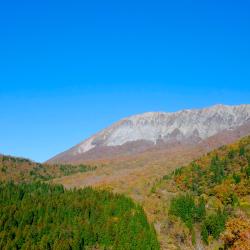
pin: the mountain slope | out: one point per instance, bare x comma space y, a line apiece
220, 180
18, 170
139, 133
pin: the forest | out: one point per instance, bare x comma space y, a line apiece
43, 216
207, 201
22, 170
212, 195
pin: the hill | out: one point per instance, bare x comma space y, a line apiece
32, 213
140, 177
23, 170
208, 201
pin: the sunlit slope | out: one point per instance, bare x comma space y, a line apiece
155, 131
208, 201
23, 170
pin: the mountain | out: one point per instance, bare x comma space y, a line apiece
157, 130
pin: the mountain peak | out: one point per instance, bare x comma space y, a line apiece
184, 126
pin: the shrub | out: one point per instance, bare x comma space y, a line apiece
185, 208
217, 168
248, 171
242, 151
236, 178
237, 233
213, 225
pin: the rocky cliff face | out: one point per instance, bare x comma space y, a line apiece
143, 131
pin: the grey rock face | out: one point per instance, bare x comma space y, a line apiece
185, 125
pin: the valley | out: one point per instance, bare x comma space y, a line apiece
138, 175
159, 177
144, 184
125, 125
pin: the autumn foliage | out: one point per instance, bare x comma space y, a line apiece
222, 179
237, 234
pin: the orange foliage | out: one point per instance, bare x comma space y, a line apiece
223, 190
237, 234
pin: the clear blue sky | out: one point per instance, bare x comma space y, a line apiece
70, 68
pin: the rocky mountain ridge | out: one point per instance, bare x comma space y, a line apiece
139, 132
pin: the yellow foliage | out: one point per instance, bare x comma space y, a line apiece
223, 190
237, 234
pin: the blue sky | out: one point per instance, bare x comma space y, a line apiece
70, 68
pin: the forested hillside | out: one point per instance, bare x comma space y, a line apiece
42, 216
204, 204
36, 215
23, 170
211, 199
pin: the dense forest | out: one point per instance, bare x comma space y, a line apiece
23, 170
36, 215
42, 216
206, 202
212, 195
